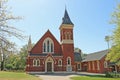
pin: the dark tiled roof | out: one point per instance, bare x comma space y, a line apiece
95, 56
42, 54
77, 56
66, 18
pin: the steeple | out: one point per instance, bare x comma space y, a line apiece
66, 18
29, 44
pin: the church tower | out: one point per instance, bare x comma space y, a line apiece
67, 42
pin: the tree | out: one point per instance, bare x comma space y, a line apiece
114, 53
7, 30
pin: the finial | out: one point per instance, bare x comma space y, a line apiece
65, 7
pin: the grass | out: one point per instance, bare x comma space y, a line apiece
16, 76
93, 77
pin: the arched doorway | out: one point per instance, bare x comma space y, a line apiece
49, 65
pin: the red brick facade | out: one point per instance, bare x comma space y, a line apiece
48, 55
61, 52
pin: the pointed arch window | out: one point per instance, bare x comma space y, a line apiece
44, 49
51, 47
48, 45
36, 62
68, 61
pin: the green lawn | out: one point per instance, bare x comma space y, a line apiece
16, 76
96, 77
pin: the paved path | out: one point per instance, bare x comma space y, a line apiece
55, 77
63, 76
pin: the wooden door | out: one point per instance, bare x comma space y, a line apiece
49, 67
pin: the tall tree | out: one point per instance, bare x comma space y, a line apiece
114, 53
7, 30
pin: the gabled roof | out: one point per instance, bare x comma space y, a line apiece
95, 56
66, 18
38, 44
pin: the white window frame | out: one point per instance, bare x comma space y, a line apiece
46, 47
35, 62
69, 58
60, 62
105, 64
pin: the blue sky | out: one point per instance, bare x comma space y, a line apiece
90, 17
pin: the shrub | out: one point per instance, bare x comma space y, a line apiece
112, 75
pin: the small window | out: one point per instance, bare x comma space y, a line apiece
68, 61
78, 66
59, 62
105, 64
36, 62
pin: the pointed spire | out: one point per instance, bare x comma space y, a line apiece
66, 18
29, 44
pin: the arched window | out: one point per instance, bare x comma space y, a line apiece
48, 50
51, 47
36, 62
105, 64
68, 61
59, 62
68, 35
48, 45
44, 47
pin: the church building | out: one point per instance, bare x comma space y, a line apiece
50, 55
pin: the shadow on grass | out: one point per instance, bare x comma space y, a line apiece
97, 76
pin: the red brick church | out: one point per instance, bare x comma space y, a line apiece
50, 55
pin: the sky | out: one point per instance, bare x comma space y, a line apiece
90, 17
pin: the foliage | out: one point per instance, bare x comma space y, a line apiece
7, 31
112, 75
95, 77
16, 76
114, 53
17, 61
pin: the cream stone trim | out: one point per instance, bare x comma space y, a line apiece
49, 59
66, 26
67, 42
